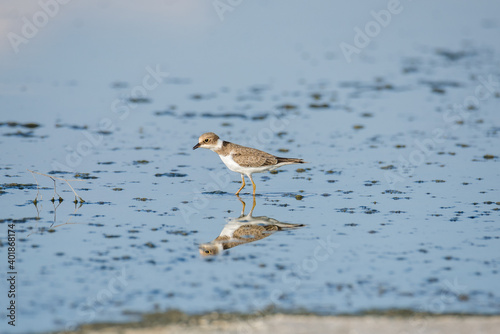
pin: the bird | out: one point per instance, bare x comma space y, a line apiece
244, 229
241, 159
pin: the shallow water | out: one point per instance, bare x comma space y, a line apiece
400, 200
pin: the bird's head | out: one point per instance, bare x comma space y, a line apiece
209, 249
208, 140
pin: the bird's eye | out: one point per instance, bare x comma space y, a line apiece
207, 252
206, 140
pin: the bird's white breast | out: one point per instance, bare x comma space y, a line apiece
231, 164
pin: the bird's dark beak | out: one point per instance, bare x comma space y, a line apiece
196, 146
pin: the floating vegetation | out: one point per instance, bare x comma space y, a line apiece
111, 236
85, 176
180, 232
225, 115
388, 167
142, 199
392, 192
73, 127
287, 106
139, 100
319, 106
141, 162
453, 55
170, 174
27, 134
19, 186
164, 113
215, 192
29, 125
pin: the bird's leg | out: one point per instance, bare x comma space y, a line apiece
243, 185
242, 202
253, 184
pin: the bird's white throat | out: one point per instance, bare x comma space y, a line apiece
218, 145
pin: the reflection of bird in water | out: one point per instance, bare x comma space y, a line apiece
244, 229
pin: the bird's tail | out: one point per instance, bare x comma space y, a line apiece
290, 161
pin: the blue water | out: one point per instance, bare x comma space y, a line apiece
400, 199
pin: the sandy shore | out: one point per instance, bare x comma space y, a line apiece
285, 324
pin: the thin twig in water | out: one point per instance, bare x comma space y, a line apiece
37, 189
56, 194
54, 178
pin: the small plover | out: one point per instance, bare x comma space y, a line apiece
241, 159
